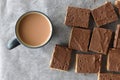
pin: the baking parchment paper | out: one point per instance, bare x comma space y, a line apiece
24, 63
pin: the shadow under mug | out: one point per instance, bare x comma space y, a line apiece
14, 42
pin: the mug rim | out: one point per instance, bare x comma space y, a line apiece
27, 45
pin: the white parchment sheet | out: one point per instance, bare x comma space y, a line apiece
24, 63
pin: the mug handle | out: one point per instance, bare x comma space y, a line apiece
12, 43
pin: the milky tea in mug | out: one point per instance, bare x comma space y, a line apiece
33, 29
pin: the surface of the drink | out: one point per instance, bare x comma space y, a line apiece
34, 29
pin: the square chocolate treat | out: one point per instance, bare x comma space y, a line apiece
108, 76
88, 63
100, 40
79, 39
77, 17
113, 62
61, 58
117, 4
104, 14
117, 37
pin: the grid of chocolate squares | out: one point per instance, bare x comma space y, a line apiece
84, 39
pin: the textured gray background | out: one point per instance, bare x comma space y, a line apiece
23, 63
